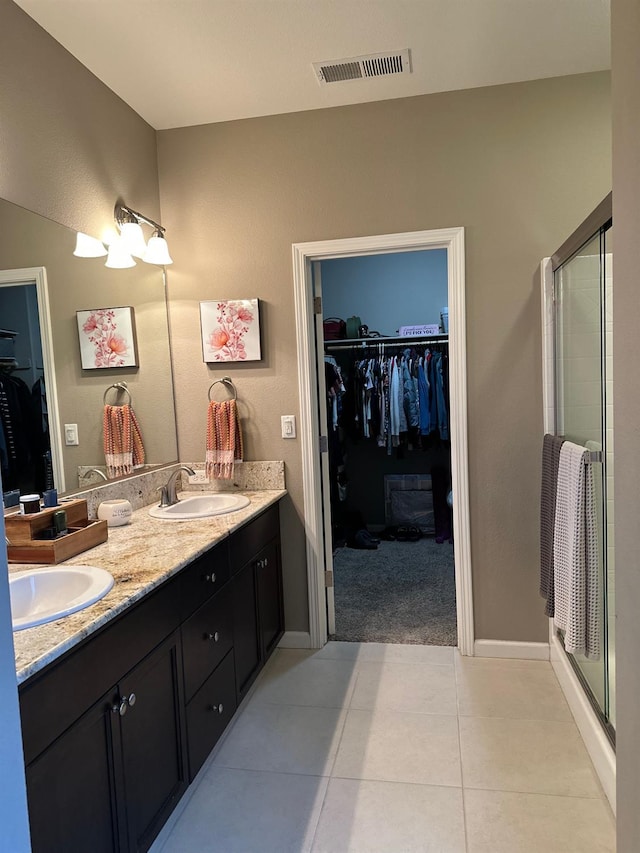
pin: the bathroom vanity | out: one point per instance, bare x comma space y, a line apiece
121, 706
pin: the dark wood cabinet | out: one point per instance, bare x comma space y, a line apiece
153, 742
73, 798
258, 612
114, 730
270, 602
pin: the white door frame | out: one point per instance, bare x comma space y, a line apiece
451, 239
38, 276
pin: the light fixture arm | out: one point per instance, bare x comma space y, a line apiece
123, 214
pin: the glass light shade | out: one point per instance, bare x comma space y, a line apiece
133, 239
119, 258
88, 247
157, 252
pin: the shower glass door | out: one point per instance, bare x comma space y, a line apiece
583, 344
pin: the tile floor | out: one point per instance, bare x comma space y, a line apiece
374, 747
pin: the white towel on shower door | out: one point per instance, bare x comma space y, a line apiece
576, 554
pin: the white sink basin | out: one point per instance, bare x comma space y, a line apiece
42, 595
200, 506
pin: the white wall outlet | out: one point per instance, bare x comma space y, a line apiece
288, 423
199, 478
71, 434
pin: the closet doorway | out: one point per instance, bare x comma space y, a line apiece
386, 417
308, 259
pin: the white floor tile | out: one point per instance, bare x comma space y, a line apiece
411, 687
395, 747
529, 756
387, 652
300, 678
499, 690
242, 811
284, 739
388, 817
500, 822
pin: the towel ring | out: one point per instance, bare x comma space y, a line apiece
119, 386
227, 382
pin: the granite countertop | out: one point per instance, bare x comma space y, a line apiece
140, 556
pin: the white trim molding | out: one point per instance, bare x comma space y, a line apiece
38, 276
451, 239
600, 750
295, 640
511, 649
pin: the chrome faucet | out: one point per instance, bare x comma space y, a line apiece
97, 471
168, 493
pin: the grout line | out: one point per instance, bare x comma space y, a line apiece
464, 804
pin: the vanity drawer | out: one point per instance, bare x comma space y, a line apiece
209, 713
246, 543
205, 576
207, 636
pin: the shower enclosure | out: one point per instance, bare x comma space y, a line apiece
583, 412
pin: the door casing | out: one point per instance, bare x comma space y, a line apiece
304, 254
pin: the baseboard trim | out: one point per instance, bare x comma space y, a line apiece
595, 740
295, 640
511, 649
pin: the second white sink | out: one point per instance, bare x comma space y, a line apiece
42, 595
200, 506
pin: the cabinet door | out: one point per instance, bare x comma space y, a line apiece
71, 789
270, 606
246, 640
153, 742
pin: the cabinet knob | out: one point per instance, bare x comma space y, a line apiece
215, 636
211, 577
132, 700
219, 708
121, 706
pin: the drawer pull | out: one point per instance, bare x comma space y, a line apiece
215, 636
219, 708
211, 577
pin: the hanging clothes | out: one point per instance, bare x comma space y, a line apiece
22, 436
399, 399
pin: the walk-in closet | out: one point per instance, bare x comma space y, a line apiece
385, 348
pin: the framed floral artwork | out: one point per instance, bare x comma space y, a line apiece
107, 338
230, 330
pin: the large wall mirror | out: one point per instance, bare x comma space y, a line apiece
28, 242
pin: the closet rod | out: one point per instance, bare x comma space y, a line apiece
363, 343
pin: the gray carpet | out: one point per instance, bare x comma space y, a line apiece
402, 593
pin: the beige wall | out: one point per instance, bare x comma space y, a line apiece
626, 403
68, 146
518, 166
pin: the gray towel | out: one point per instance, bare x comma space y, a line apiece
576, 554
550, 460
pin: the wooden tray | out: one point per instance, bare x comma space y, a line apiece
25, 548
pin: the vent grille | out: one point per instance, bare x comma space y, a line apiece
361, 67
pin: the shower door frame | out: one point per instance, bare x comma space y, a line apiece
596, 731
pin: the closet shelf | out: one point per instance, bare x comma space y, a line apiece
351, 343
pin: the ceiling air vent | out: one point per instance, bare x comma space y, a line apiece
361, 67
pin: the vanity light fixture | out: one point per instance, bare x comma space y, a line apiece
130, 221
129, 242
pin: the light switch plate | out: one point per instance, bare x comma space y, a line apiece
288, 423
71, 435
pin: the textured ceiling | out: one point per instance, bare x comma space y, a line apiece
187, 62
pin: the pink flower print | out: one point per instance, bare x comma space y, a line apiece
90, 324
244, 315
116, 344
218, 338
